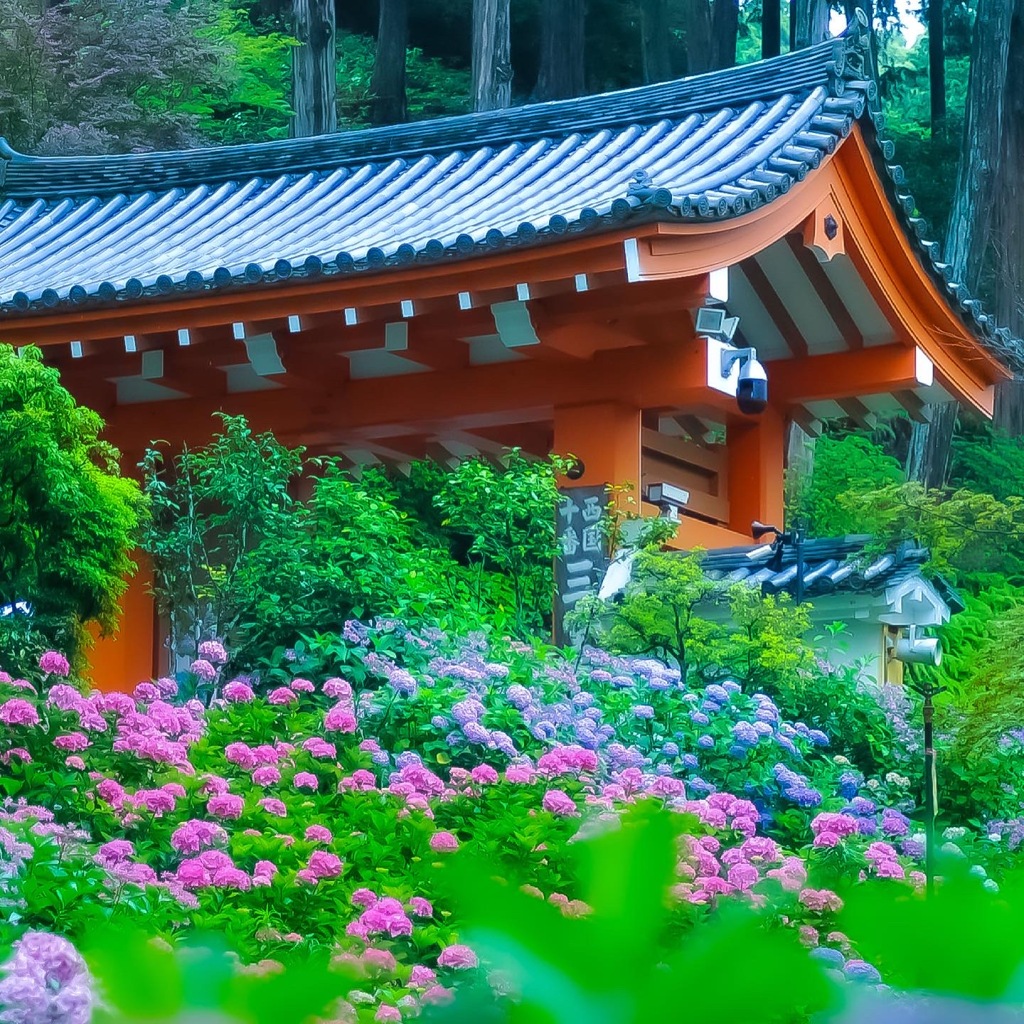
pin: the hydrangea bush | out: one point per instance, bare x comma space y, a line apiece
302, 814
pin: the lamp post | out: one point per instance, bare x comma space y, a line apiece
782, 538
924, 650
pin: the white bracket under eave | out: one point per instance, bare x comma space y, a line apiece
263, 355
513, 324
924, 369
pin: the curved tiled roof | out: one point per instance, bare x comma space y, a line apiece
81, 231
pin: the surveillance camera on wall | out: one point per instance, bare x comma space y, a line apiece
669, 498
918, 650
752, 387
751, 382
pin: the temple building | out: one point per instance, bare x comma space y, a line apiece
525, 277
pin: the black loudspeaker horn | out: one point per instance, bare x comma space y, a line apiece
758, 530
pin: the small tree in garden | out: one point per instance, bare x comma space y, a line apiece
67, 517
508, 513
210, 508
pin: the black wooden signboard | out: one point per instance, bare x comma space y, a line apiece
582, 560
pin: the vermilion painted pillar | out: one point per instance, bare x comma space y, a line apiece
605, 437
756, 463
120, 661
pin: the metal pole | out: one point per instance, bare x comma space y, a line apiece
931, 786
798, 543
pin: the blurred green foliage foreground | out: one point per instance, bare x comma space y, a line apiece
957, 956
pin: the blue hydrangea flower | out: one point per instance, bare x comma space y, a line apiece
738, 750
860, 970
745, 734
439, 722
717, 693
689, 761
670, 749
699, 718
705, 742
818, 738
643, 711
827, 955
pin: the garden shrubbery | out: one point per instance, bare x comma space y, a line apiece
308, 816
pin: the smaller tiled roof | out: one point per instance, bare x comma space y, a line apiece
831, 565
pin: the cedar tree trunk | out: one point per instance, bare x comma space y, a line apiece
492, 64
697, 35
561, 72
937, 66
388, 84
808, 22
771, 28
654, 40
725, 30
314, 72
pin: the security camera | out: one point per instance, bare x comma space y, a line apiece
669, 498
752, 384
752, 387
918, 650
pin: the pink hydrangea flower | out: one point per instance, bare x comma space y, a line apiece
821, 900
364, 898
457, 956
238, 692
559, 803
240, 754
437, 995
196, 835
302, 686
319, 748
379, 961
484, 775
337, 689
266, 775
520, 773
275, 807
114, 851
421, 907
318, 834
443, 842
387, 1013
306, 780
72, 741
324, 864
422, 976
18, 712
214, 652
340, 719
282, 695
74, 761
204, 670
55, 664
225, 805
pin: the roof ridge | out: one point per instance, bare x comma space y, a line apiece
823, 65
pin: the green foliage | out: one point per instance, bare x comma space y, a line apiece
238, 557
843, 465
210, 508
68, 519
507, 516
658, 615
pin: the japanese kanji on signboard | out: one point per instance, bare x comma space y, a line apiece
582, 550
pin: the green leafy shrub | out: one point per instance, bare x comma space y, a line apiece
68, 519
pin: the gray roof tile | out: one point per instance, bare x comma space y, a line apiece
95, 230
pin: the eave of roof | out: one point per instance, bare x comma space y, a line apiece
782, 115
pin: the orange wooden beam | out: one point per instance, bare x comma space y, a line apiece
869, 371
492, 395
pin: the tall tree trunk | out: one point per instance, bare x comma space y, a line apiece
654, 40
492, 63
771, 28
1007, 249
929, 449
697, 34
561, 73
937, 65
388, 83
808, 22
982, 217
314, 71
725, 31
